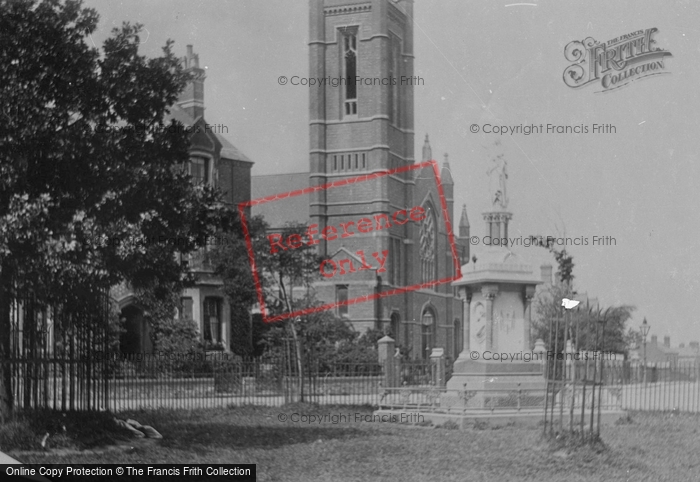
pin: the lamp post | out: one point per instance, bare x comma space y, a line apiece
602, 320
645, 331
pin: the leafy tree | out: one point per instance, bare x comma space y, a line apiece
286, 277
584, 330
362, 349
565, 262
91, 178
231, 262
170, 334
281, 273
584, 322
327, 340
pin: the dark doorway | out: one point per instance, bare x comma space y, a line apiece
136, 337
394, 327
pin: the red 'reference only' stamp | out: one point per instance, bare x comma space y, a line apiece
351, 257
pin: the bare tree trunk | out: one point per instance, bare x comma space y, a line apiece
295, 337
6, 398
300, 365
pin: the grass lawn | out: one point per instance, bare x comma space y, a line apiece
650, 447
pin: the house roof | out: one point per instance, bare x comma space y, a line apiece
688, 352
228, 150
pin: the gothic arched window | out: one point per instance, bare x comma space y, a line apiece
350, 71
427, 333
395, 76
428, 246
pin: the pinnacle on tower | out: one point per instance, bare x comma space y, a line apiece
446, 175
464, 223
463, 238
427, 151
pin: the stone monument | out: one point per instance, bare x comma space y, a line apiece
497, 287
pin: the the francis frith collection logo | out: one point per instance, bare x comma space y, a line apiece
615, 63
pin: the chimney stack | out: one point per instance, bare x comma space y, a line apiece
667, 341
654, 340
694, 344
192, 97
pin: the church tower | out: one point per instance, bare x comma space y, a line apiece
361, 122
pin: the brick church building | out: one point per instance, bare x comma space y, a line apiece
361, 128
213, 160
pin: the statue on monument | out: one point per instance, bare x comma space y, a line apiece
499, 196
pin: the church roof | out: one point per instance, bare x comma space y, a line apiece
278, 213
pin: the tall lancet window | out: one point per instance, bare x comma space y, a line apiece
395, 79
350, 70
428, 246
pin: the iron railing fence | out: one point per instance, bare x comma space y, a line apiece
660, 387
218, 379
52, 362
668, 386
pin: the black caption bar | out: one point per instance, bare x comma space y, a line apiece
126, 472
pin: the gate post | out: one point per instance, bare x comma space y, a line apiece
437, 360
385, 348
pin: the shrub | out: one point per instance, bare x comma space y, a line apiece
480, 425
449, 425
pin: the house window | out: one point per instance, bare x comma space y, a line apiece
427, 333
212, 320
341, 295
350, 70
199, 170
428, 246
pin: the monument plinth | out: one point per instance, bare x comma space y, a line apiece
498, 290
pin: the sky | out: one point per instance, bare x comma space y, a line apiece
496, 62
